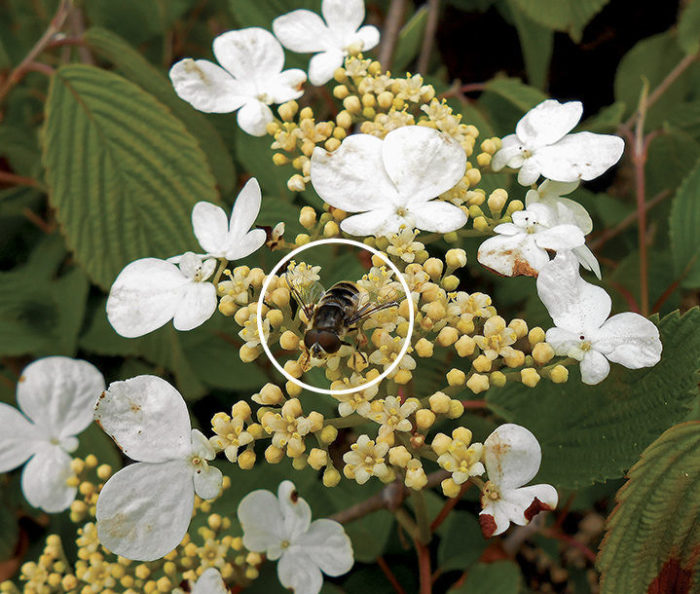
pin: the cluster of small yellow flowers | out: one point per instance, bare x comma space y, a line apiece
367, 459
392, 415
233, 432
458, 456
404, 245
288, 429
235, 292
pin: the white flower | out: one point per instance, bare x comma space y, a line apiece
281, 528
542, 145
392, 181
150, 292
144, 510
57, 395
583, 330
231, 239
305, 32
512, 457
520, 248
251, 78
210, 582
550, 193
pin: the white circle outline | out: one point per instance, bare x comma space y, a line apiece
366, 385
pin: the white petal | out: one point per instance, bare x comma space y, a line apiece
343, 17
422, 162
285, 86
260, 516
200, 446
353, 177
437, 216
251, 242
196, 306
554, 189
147, 418
251, 54
594, 368
572, 303
587, 259
144, 296
59, 394
530, 171
302, 31
369, 35
493, 519
144, 510
519, 506
296, 513
512, 456
510, 148
44, 479
584, 155
210, 582
254, 117
512, 256
379, 222
564, 342
328, 545
560, 238
210, 225
299, 573
245, 211
207, 482
508, 229
548, 122
323, 65
570, 211
629, 339
207, 87
18, 438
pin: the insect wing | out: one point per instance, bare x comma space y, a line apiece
372, 303
306, 296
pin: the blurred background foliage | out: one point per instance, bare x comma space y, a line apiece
100, 164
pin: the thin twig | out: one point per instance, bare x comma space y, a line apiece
475, 404
448, 507
608, 234
386, 570
639, 157
54, 27
76, 21
673, 286
431, 25
17, 180
570, 540
390, 33
424, 571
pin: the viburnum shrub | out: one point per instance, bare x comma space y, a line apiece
410, 324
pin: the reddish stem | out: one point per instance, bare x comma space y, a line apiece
448, 507
424, 572
386, 570
474, 404
570, 540
626, 295
17, 180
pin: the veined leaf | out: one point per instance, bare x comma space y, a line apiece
500, 577
139, 70
516, 92
689, 27
684, 224
123, 172
261, 14
410, 39
593, 433
569, 16
536, 43
653, 536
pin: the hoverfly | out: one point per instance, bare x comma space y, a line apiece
333, 313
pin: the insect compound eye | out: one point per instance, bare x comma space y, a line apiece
329, 341
311, 338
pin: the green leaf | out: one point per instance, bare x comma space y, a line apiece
522, 96
135, 20
653, 536
593, 433
255, 156
651, 60
410, 39
684, 224
606, 120
689, 28
500, 577
9, 530
536, 43
671, 158
461, 542
139, 70
569, 16
261, 14
124, 172
686, 117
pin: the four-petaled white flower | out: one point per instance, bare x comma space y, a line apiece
249, 79
58, 395
392, 182
512, 457
550, 193
304, 32
150, 292
281, 528
583, 330
520, 248
542, 145
144, 510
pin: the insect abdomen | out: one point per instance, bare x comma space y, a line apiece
336, 305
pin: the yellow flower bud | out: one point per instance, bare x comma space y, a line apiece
288, 110
456, 377
317, 458
275, 317
280, 159
271, 394
450, 282
439, 403
474, 176
498, 379
497, 200
530, 377
520, 327
344, 119
293, 368
274, 455
339, 75
441, 443
433, 267
462, 434
332, 143
296, 183
514, 206
289, 341
456, 409
104, 471
424, 348
90, 461
435, 311
385, 99
515, 359
403, 376
542, 353
292, 408
480, 224
242, 409
242, 316
293, 389
248, 354
340, 92
483, 159
246, 460
465, 345
331, 229
399, 456
478, 383
559, 374
456, 258
307, 217
425, 418
299, 461
352, 104
447, 336
482, 363
450, 488
329, 434
331, 477
228, 306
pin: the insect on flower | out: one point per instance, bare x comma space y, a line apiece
333, 313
